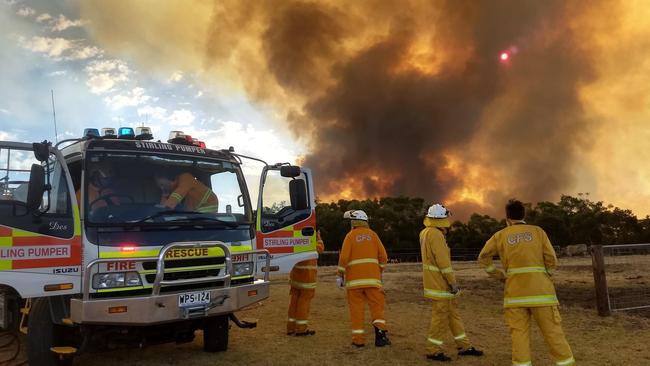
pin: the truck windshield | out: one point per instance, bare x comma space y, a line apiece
140, 188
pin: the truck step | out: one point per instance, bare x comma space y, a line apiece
64, 351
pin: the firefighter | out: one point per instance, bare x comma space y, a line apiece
302, 280
440, 285
100, 189
361, 263
528, 259
186, 191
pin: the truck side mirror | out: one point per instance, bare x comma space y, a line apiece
41, 150
35, 188
298, 194
290, 171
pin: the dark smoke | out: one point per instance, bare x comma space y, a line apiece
374, 120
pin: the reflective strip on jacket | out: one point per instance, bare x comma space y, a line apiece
528, 258
304, 274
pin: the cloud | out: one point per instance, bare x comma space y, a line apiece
199, 94
132, 98
181, 118
175, 77
104, 75
4, 111
57, 73
152, 113
62, 23
26, 11
58, 48
43, 17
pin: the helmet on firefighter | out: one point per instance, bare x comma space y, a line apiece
355, 215
438, 215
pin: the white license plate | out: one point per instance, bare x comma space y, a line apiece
194, 298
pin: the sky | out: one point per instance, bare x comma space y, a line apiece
379, 98
45, 46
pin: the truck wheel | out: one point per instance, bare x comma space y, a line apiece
41, 336
215, 333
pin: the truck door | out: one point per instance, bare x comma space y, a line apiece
286, 216
40, 232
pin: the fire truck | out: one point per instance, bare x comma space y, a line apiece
115, 240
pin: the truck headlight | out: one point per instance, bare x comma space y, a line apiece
242, 269
117, 279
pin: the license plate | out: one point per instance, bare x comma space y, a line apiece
194, 298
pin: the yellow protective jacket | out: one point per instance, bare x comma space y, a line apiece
528, 259
194, 195
303, 275
437, 273
362, 259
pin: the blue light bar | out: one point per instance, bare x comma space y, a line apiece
125, 133
91, 132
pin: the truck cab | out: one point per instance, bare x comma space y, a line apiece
117, 240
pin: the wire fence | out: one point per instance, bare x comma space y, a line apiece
622, 277
330, 258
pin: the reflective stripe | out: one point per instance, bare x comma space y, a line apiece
382, 265
341, 269
526, 270
306, 285
531, 300
438, 294
447, 270
460, 336
528, 363
435, 341
566, 362
363, 282
431, 268
176, 196
491, 268
358, 331
302, 322
205, 197
212, 208
382, 321
363, 261
291, 320
305, 267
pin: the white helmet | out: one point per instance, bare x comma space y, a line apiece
438, 211
355, 215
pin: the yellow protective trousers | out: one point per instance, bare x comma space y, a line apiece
299, 309
357, 299
550, 323
444, 317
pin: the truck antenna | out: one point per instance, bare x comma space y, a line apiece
56, 134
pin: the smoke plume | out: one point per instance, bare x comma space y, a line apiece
396, 98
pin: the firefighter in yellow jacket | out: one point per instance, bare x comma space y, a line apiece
361, 263
302, 280
440, 285
528, 259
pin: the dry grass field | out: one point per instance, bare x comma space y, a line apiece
618, 340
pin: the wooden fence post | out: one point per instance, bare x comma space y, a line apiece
600, 281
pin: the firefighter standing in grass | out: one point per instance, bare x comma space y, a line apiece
528, 259
361, 263
302, 280
440, 285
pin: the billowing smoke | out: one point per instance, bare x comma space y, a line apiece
394, 98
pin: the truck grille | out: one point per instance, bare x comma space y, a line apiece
189, 273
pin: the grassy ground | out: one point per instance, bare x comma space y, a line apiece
618, 340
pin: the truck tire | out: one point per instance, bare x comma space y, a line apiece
215, 333
42, 334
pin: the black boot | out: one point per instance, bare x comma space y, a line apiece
470, 352
381, 338
439, 357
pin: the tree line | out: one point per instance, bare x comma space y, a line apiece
571, 220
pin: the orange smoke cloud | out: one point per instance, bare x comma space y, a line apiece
411, 97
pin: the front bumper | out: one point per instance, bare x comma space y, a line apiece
148, 310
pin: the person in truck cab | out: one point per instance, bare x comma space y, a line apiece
101, 192
184, 191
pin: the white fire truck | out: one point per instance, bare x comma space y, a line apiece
114, 240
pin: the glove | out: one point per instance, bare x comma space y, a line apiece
340, 282
454, 289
